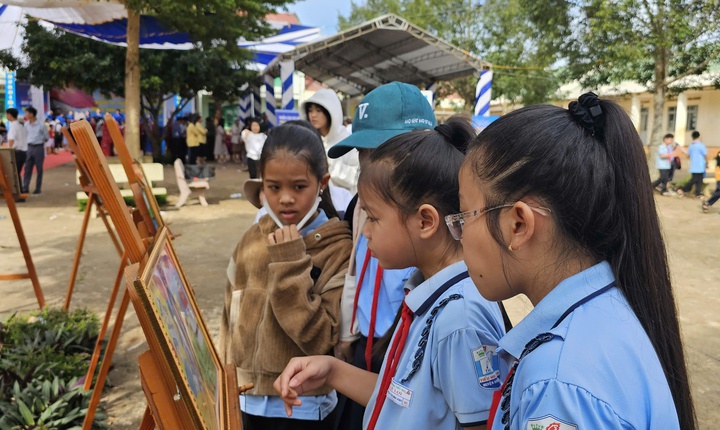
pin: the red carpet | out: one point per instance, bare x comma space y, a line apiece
54, 160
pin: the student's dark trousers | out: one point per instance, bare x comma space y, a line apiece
35, 159
663, 179
20, 157
715, 196
349, 413
697, 180
254, 422
252, 168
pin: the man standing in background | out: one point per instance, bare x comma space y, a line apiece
17, 139
37, 135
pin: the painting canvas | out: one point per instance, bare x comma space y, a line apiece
182, 333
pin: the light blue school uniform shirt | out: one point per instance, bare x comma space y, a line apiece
599, 371
390, 297
663, 163
697, 152
313, 407
451, 384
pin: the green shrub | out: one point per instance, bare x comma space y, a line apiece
44, 357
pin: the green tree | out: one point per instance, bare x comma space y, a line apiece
498, 31
166, 73
653, 42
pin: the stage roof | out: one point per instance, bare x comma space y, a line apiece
377, 52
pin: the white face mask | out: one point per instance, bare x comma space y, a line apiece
302, 222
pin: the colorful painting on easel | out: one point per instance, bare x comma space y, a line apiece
178, 318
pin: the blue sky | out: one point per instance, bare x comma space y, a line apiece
321, 13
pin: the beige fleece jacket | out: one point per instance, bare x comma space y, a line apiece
283, 301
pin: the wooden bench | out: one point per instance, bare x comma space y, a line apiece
153, 171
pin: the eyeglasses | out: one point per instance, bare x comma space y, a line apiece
456, 222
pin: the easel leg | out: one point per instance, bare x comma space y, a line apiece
110, 230
105, 324
78, 251
10, 200
107, 359
148, 422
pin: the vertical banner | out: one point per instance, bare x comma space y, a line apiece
244, 105
257, 111
10, 101
37, 99
270, 99
483, 93
287, 68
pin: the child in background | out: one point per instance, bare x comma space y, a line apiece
254, 140
441, 368
602, 347
285, 282
220, 151
716, 195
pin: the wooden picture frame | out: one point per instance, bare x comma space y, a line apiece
7, 158
163, 298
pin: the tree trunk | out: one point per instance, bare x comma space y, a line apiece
132, 85
658, 109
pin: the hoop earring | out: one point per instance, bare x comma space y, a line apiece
510, 248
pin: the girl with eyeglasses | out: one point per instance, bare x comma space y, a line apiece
441, 368
557, 207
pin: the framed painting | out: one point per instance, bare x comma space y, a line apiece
168, 303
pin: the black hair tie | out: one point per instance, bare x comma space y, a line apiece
588, 113
445, 131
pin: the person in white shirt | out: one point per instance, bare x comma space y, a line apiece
17, 139
254, 141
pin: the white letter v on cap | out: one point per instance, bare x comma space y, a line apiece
362, 107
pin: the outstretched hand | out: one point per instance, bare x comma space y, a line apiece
302, 374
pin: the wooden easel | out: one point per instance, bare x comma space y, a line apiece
136, 178
93, 201
7, 194
134, 245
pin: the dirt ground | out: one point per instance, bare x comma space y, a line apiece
208, 235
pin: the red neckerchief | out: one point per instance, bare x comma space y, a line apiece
373, 311
391, 363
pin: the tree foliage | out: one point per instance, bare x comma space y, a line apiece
498, 31
655, 43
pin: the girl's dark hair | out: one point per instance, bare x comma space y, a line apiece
416, 168
221, 122
299, 142
322, 108
588, 165
420, 167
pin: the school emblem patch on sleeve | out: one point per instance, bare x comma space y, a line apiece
549, 422
486, 367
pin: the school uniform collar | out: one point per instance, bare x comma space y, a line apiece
319, 220
552, 307
423, 293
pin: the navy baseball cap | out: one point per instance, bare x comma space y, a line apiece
386, 112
